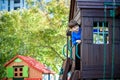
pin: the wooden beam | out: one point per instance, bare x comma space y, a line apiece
72, 6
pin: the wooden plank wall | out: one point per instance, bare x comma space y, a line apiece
93, 54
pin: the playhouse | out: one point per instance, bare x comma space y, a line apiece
99, 53
26, 68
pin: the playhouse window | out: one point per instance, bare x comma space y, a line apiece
100, 32
18, 71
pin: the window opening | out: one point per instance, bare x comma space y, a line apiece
15, 8
21, 74
100, 33
21, 69
16, 1
8, 5
15, 69
16, 74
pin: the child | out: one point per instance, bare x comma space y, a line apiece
76, 39
76, 32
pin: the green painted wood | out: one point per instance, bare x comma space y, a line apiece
25, 71
10, 72
112, 13
18, 60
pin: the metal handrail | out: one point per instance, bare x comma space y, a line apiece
76, 51
70, 49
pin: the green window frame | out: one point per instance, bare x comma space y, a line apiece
100, 32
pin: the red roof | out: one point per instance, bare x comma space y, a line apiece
33, 63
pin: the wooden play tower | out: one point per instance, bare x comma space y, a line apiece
98, 56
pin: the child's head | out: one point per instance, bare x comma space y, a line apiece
73, 25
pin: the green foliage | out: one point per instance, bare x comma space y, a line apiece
34, 32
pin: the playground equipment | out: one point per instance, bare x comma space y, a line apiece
98, 55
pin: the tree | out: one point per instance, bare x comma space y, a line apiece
34, 32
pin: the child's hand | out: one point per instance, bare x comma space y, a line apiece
78, 41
